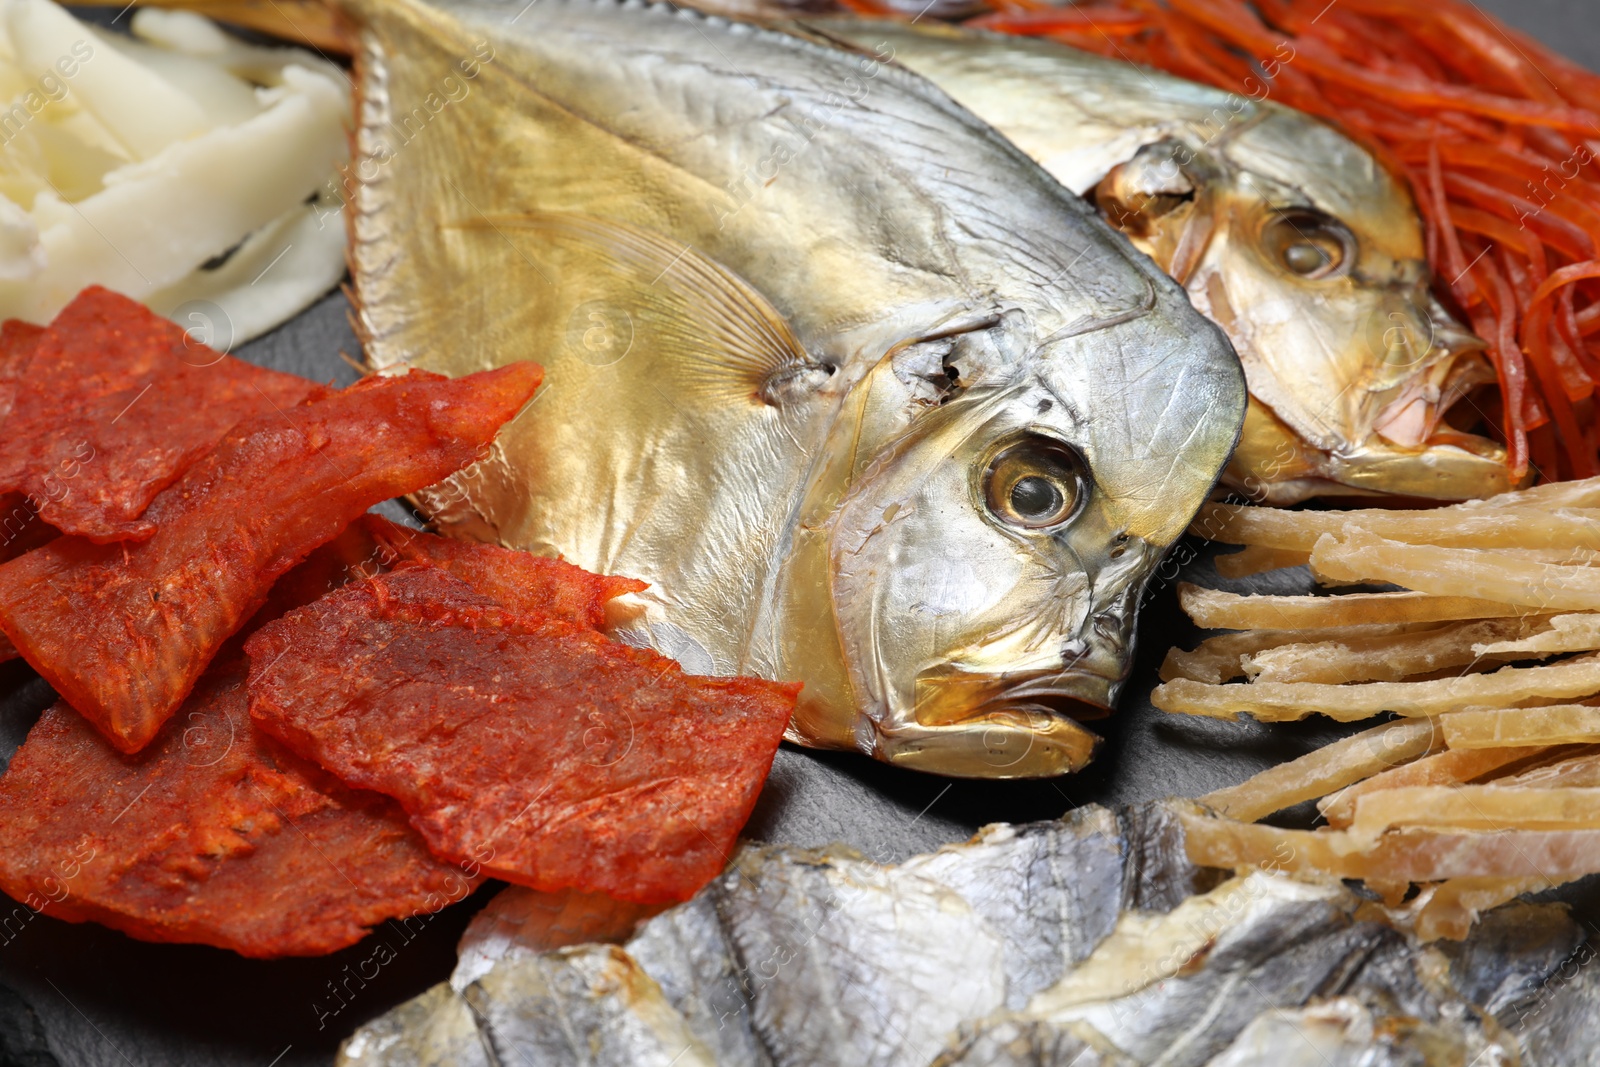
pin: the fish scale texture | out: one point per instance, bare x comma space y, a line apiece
1089, 941
122, 631
537, 748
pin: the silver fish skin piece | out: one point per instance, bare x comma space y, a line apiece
1092, 937
866, 396
1557, 1020
1299, 242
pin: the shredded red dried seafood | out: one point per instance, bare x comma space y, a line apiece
534, 747
122, 631
215, 834
1494, 131
110, 404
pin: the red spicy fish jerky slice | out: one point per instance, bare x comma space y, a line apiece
21, 528
347, 558
123, 630
17, 339
110, 405
536, 748
520, 581
214, 834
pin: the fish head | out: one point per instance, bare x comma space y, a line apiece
987, 563
1310, 255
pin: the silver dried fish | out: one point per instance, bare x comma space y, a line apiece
1091, 938
865, 395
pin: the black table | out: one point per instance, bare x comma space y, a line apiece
90, 996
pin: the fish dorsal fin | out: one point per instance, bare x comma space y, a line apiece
724, 338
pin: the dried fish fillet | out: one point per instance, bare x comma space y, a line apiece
113, 403
215, 834
1344, 1032
532, 746
1079, 942
123, 630
1559, 1026
520, 581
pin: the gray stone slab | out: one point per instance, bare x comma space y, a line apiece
103, 999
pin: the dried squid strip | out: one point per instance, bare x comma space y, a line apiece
1567, 633
1214, 609
1561, 724
1400, 856
1449, 909
1441, 768
1446, 527
1221, 658
1388, 657
1474, 807
1361, 557
1318, 773
1290, 701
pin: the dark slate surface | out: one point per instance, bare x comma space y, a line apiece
83, 996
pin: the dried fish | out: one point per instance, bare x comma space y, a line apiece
1298, 241
869, 399
1092, 940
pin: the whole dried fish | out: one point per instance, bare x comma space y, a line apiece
1295, 239
868, 399
1087, 941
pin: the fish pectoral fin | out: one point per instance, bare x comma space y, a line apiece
721, 336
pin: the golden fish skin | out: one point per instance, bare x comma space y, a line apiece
1351, 361
868, 399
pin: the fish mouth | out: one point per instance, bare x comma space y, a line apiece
1275, 465
995, 741
1448, 467
1409, 438
952, 697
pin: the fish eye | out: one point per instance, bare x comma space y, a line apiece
1034, 483
1307, 243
